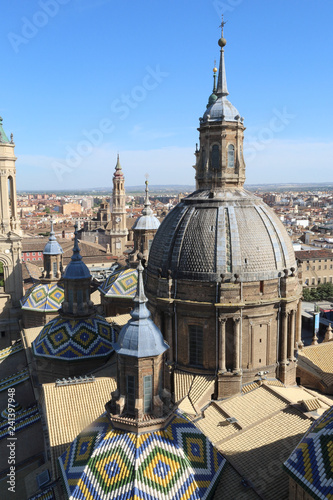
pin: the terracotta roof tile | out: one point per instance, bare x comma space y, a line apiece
314, 254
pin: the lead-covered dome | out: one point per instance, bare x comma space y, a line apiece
227, 232
221, 109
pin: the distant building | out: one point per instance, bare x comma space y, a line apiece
316, 266
70, 208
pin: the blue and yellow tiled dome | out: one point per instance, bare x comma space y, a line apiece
311, 463
178, 462
69, 339
43, 297
121, 283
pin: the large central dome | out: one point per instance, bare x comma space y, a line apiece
227, 232
222, 277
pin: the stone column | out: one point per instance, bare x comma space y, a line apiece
291, 347
236, 344
168, 334
299, 325
284, 337
222, 345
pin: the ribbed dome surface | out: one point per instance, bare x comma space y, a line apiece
232, 232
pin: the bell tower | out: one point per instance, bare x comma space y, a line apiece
10, 239
118, 231
219, 160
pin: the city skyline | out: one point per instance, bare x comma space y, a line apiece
71, 68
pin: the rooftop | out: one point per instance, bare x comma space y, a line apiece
314, 254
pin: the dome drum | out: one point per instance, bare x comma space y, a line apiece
231, 233
183, 307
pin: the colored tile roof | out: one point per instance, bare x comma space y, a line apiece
311, 463
69, 339
121, 283
43, 297
14, 379
4, 353
178, 462
45, 495
22, 419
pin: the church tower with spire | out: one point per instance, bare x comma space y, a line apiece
117, 225
219, 161
10, 237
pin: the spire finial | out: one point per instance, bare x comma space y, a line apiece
118, 166
76, 249
147, 210
52, 233
140, 296
222, 89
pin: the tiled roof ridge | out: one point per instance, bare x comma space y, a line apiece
225, 414
14, 348
270, 388
14, 379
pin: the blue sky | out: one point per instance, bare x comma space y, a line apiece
84, 79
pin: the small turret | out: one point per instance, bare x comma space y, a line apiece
52, 257
77, 280
140, 394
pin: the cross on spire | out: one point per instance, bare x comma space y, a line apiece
223, 23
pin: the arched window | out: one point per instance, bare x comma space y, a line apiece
231, 156
196, 344
215, 157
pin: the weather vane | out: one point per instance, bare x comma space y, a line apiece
223, 23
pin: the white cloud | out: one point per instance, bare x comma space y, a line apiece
279, 161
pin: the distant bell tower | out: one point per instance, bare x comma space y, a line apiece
118, 231
219, 161
10, 238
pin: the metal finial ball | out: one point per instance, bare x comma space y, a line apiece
222, 42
